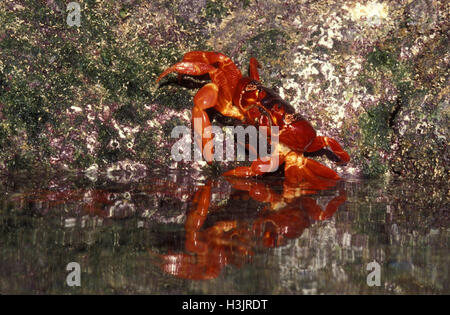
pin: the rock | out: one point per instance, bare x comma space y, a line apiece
371, 74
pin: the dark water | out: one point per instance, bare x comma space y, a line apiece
129, 235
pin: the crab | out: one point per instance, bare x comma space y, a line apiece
247, 100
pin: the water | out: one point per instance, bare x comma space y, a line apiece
127, 231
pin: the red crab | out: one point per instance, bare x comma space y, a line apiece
246, 99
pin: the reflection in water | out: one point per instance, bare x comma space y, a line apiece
154, 234
285, 216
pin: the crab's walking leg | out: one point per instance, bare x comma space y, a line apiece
258, 167
299, 168
322, 142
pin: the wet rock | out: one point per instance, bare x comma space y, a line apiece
371, 74
422, 14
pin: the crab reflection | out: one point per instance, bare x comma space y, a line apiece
285, 215
222, 226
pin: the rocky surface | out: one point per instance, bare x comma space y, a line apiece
372, 74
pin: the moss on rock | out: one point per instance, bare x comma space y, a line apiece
74, 96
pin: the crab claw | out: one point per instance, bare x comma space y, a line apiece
189, 68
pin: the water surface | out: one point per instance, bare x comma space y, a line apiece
129, 235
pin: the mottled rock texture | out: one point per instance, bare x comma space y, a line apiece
372, 74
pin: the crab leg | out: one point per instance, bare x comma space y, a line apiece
320, 142
258, 167
299, 168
